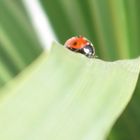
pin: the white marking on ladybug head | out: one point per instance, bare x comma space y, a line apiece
86, 50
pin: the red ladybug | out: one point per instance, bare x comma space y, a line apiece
81, 45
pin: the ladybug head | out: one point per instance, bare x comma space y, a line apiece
88, 51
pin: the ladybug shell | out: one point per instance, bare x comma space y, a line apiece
81, 45
77, 42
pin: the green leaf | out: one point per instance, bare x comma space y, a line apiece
66, 96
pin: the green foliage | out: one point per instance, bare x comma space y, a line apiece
66, 96
18, 43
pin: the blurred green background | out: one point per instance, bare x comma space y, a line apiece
19, 45
112, 26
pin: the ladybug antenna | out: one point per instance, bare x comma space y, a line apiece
79, 36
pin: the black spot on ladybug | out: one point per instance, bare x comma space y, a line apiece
75, 43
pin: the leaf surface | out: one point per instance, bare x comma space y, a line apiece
66, 96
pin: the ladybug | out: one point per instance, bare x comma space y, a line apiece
81, 45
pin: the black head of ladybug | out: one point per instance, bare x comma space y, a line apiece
88, 51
